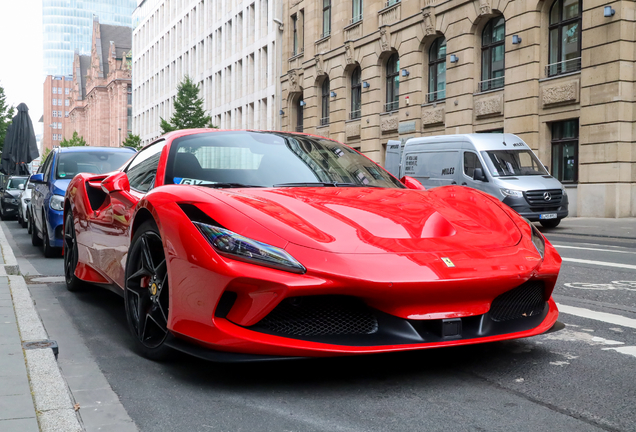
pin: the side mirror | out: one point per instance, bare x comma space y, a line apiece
478, 175
412, 183
117, 182
21, 186
37, 178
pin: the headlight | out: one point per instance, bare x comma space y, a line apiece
537, 239
7, 200
511, 193
565, 193
57, 202
233, 245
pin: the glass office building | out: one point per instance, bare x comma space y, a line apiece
68, 26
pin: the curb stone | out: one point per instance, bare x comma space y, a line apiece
51, 396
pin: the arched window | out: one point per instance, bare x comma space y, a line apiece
492, 54
356, 93
392, 83
437, 70
565, 37
324, 120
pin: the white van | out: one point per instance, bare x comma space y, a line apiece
499, 164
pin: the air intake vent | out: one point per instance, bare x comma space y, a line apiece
319, 316
524, 301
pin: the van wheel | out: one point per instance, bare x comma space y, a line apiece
550, 223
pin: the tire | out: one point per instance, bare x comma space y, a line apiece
73, 283
2, 216
146, 292
550, 223
19, 217
49, 251
23, 222
35, 240
29, 223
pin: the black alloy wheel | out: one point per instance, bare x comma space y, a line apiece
146, 292
73, 283
49, 251
35, 239
550, 223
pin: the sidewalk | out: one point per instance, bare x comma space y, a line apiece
624, 228
33, 394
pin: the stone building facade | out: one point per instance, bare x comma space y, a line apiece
558, 73
101, 93
56, 109
230, 48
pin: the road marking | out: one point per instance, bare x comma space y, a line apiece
629, 350
593, 249
598, 316
601, 263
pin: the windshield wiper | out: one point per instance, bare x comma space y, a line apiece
327, 184
227, 185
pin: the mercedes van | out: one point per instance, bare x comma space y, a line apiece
499, 164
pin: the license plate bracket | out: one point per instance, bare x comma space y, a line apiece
548, 216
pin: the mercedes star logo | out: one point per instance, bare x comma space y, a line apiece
547, 196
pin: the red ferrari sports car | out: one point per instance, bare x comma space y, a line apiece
246, 245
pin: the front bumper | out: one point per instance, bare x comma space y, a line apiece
533, 213
55, 227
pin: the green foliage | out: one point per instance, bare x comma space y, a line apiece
45, 154
6, 116
133, 141
188, 109
75, 141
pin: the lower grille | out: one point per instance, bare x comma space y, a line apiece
524, 301
319, 316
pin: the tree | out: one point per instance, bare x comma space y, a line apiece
133, 141
188, 109
75, 141
45, 154
6, 116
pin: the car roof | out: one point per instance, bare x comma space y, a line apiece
88, 148
481, 141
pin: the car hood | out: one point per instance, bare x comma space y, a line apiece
377, 220
13, 192
527, 183
59, 186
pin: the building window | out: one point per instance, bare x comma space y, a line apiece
54, 113
356, 93
299, 114
565, 37
66, 90
326, 18
437, 70
54, 102
325, 102
129, 99
54, 90
492, 54
294, 34
392, 83
565, 151
356, 12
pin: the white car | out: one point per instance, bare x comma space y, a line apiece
25, 199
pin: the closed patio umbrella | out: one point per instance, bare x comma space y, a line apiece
20, 146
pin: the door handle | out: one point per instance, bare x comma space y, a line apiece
453, 182
464, 184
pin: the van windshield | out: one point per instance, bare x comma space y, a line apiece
513, 163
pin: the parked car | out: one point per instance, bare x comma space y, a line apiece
499, 164
24, 199
243, 245
10, 192
51, 181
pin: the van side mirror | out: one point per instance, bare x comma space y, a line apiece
37, 178
21, 186
117, 182
412, 183
478, 175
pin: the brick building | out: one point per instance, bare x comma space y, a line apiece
56, 109
558, 73
101, 93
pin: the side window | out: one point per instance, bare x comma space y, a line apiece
471, 161
143, 168
44, 164
47, 167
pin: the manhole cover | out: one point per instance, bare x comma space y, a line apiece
41, 344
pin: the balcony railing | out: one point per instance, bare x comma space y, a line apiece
324, 121
392, 106
491, 84
436, 96
563, 67
355, 114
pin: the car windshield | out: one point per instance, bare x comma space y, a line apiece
513, 163
94, 162
264, 159
15, 182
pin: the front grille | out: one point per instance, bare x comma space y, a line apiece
524, 301
319, 316
537, 198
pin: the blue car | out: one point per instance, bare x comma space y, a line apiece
51, 181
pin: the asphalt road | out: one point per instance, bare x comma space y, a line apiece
582, 378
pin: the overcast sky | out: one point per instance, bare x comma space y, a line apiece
21, 72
